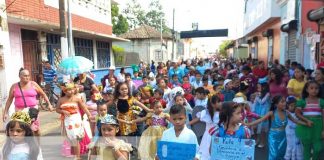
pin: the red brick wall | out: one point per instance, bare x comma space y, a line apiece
36, 9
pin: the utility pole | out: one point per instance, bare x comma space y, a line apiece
70, 38
172, 55
64, 42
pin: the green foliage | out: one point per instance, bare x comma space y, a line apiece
137, 16
120, 24
224, 46
117, 49
119, 55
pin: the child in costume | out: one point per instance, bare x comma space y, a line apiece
20, 143
229, 124
92, 107
310, 109
278, 121
262, 106
68, 106
146, 91
108, 146
124, 103
148, 142
294, 147
205, 116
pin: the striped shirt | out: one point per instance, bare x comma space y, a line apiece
49, 75
312, 109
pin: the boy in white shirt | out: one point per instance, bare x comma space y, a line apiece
179, 133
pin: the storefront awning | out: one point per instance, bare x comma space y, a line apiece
292, 25
316, 15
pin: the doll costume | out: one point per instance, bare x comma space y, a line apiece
148, 142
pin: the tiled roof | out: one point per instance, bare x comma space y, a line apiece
144, 32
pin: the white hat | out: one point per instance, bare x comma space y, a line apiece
151, 75
239, 100
112, 68
227, 81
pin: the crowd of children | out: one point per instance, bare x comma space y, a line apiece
189, 103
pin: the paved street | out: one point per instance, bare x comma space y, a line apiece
51, 141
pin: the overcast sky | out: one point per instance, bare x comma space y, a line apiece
209, 14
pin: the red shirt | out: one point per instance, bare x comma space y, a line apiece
260, 73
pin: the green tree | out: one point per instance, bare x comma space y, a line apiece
136, 16
120, 23
224, 46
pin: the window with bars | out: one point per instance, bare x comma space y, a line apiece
103, 54
83, 47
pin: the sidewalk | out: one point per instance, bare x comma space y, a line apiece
49, 122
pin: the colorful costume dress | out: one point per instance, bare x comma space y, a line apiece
73, 127
262, 107
204, 116
127, 114
107, 153
277, 137
294, 147
311, 136
148, 142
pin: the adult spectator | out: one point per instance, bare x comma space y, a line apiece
319, 78
87, 85
121, 75
106, 77
25, 93
276, 84
176, 70
296, 84
49, 74
260, 71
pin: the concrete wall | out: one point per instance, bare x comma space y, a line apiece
39, 12
258, 12
98, 10
262, 48
147, 49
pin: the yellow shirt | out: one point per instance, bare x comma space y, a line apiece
296, 86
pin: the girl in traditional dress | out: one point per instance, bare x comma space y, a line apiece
124, 103
278, 121
262, 106
68, 106
109, 147
148, 142
310, 109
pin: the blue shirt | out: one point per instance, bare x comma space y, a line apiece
49, 75
178, 72
201, 69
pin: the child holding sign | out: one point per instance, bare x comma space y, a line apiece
229, 124
179, 132
278, 121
